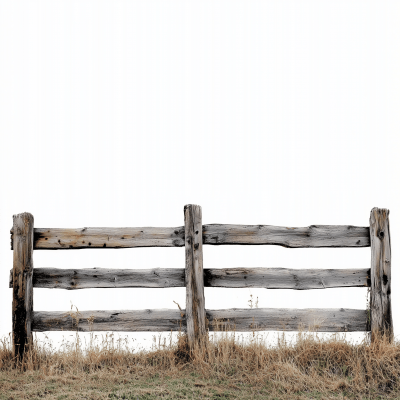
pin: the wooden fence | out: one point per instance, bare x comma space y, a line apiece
195, 320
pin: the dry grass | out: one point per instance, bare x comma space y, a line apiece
225, 368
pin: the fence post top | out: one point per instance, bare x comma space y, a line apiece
190, 205
380, 210
24, 215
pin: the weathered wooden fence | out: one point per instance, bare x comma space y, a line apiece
195, 319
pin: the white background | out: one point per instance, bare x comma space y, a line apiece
118, 113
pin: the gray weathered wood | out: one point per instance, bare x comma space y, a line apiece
194, 276
269, 278
285, 278
311, 236
193, 235
215, 234
112, 238
125, 321
71, 279
274, 319
381, 308
22, 305
242, 320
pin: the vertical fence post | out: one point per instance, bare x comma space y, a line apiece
381, 307
22, 305
194, 279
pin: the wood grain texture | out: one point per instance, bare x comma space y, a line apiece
275, 319
269, 278
380, 300
311, 236
119, 320
72, 279
194, 276
215, 234
242, 320
285, 278
22, 305
114, 238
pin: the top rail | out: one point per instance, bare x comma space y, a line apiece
310, 236
215, 234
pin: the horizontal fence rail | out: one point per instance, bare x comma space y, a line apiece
215, 234
265, 319
195, 320
268, 278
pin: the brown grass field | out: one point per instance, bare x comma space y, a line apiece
225, 368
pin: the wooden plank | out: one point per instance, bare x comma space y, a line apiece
123, 321
195, 302
95, 278
165, 320
274, 319
285, 278
215, 234
269, 278
380, 300
111, 238
22, 305
311, 236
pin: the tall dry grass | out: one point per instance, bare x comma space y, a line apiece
309, 364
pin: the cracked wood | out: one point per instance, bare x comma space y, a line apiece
214, 234
380, 298
243, 320
22, 304
194, 276
269, 278
311, 236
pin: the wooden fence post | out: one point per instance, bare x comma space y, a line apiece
194, 279
22, 306
381, 308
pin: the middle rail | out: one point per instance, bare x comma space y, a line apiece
269, 278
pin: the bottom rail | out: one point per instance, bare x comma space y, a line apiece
238, 319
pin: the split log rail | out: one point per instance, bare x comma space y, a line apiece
195, 320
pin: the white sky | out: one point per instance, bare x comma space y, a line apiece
118, 113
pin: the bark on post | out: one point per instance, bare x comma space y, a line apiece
380, 303
22, 306
194, 279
